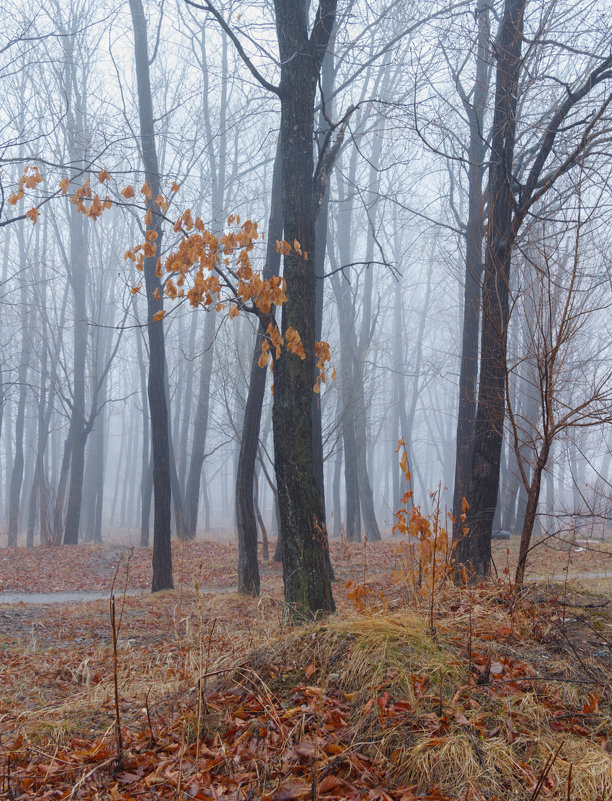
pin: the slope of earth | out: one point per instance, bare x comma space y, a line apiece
219, 697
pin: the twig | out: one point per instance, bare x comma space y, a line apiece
118, 736
480, 756
84, 778
545, 771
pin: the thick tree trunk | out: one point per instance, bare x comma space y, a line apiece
307, 585
474, 550
162, 553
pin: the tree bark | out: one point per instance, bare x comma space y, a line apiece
474, 236
307, 585
533, 496
474, 550
246, 523
162, 552
192, 487
18, 462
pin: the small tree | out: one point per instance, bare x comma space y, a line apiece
564, 364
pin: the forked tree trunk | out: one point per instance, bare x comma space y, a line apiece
474, 551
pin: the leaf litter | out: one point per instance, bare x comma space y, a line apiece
220, 699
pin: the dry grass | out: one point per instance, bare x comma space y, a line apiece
494, 740
56, 680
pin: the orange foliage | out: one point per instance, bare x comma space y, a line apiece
427, 557
29, 180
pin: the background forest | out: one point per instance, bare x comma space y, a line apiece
460, 190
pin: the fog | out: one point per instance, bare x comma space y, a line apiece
405, 139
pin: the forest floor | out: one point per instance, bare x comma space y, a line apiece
220, 697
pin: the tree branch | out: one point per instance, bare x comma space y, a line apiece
248, 63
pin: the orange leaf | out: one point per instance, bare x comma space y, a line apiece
159, 315
32, 215
103, 176
128, 192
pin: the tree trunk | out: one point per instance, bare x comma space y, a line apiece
17, 472
321, 230
474, 235
474, 550
192, 490
146, 477
246, 524
533, 496
265, 550
162, 552
77, 272
307, 585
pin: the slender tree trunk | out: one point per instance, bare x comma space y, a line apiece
147, 495
146, 477
246, 524
58, 513
177, 498
188, 403
162, 553
533, 497
347, 361
18, 462
260, 522
192, 490
336, 491
218, 161
474, 236
78, 284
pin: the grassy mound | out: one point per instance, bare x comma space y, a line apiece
409, 703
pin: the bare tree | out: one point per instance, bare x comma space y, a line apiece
162, 554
